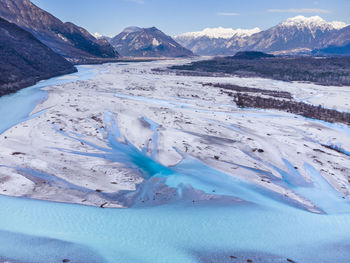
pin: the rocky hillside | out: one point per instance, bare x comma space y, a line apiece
73, 42
339, 43
24, 60
339, 38
147, 42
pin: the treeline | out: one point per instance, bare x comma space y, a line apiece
279, 100
271, 93
324, 71
300, 108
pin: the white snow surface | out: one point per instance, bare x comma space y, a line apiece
155, 42
221, 32
313, 23
97, 35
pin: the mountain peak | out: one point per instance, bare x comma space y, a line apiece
148, 42
312, 22
97, 35
132, 29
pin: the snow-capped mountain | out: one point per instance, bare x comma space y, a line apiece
212, 41
100, 36
295, 35
147, 42
97, 35
312, 23
220, 32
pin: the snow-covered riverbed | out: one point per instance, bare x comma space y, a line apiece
206, 181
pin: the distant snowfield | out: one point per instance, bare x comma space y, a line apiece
205, 180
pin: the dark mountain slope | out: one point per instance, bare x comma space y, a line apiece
147, 42
333, 51
24, 60
67, 39
339, 38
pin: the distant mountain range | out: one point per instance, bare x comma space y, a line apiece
297, 35
73, 42
213, 41
147, 42
25, 60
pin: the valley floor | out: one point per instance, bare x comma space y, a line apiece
70, 151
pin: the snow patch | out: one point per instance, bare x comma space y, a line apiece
97, 35
62, 37
155, 42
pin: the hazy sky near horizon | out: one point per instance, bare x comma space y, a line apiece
110, 17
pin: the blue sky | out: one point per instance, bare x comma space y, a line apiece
109, 17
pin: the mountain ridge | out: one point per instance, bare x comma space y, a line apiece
22, 64
147, 42
296, 35
67, 39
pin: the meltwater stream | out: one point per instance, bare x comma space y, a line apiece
267, 229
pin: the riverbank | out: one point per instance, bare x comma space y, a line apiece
33, 79
13, 87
